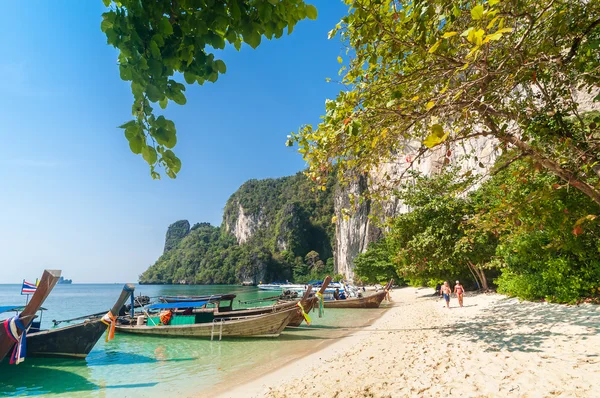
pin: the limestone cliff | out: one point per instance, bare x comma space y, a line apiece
357, 230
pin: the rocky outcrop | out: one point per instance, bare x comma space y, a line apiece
175, 233
244, 225
355, 226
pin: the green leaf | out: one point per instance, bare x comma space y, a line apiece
130, 123
154, 49
154, 94
172, 161
106, 2
163, 103
136, 143
165, 26
435, 47
105, 25
477, 12
164, 137
125, 72
179, 98
449, 34
436, 137
339, 59
149, 154
311, 12
252, 38
189, 77
493, 2
137, 89
493, 36
221, 67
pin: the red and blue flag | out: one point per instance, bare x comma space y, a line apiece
28, 287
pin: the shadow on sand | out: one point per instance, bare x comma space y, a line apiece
524, 326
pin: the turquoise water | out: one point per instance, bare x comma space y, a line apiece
138, 366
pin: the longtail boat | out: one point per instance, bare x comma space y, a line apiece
223, 304
371, 301
205, 324
309, 302
75, 341
21, 322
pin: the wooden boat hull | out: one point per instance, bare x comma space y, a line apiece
75, 341
372, 301
267, 325
256, 310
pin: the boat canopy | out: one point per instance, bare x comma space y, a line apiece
214, 297
179, 304
18, 308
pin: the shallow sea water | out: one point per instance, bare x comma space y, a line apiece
139, 366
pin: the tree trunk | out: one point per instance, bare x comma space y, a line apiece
473, 272
483, 279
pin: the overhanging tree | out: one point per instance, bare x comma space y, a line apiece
435, 71
159, 38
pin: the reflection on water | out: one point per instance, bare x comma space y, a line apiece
134, 365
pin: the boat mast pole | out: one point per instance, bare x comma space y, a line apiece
132, 310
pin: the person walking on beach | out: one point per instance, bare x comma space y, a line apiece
446, 291
459, 290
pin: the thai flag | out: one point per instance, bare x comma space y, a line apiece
28, 287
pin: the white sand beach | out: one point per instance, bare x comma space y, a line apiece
493, 347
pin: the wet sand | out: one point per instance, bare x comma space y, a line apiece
493, 347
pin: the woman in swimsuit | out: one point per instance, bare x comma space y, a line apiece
446, 291
459, 290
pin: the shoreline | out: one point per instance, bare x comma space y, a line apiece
325, 338
494, 346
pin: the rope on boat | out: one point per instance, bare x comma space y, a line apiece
304, 314
321, 306
111, 322
12, 327
56, 323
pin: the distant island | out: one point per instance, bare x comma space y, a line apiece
272, 229
63, 281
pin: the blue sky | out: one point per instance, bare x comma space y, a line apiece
72, 195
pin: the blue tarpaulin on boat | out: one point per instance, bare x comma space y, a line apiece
19, 308
181, 304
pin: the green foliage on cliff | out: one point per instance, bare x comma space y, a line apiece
290, 232
175, 233
289, 210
